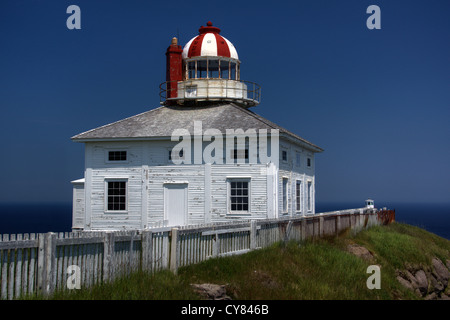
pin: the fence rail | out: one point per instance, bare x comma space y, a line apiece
42, 263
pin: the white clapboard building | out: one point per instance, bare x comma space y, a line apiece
201, 157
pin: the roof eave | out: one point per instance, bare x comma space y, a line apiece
305, 144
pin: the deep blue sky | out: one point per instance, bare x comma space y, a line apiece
377, 101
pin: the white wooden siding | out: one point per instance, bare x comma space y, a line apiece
219, 190
289, 169
148, 167
78, 205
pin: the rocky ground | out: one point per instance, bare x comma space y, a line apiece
211, 291
431, 283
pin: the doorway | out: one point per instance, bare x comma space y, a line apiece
175, 203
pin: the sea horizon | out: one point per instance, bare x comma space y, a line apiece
19, 218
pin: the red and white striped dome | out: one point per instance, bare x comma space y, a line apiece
209, 43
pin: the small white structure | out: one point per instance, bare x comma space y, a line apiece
370, 204
201, 157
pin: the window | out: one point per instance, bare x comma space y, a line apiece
191, 69
298, 159
117, 156
284, 155
180, 155
309, 195
239, 154
117, 195
213, 69
308, 162
191, 91
285, 191
201, 69
233, 70
298, 196
239, 195
224, 65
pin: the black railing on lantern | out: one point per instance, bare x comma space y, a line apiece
244, 92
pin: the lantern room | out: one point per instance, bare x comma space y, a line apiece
207, 69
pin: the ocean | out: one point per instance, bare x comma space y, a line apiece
41, 218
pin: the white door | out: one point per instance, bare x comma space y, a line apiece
175, 203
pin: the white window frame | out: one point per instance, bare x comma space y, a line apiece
285, 193
239, 179
170, 161
287, 155
298, 198
108, 150
309, 196
298, 158
191, 91
108, 180
237, 154
310, 160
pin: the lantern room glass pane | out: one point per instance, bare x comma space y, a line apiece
233, 70
224, 69
213, 69
201, 69
191, 69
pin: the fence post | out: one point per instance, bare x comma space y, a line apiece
147, 250
253, 234
41, 259
303, 229
320, 226
215, 245
174, 251
46, 262
108, 256
287, 234
351, 215
338, 224
50, 262
131, 265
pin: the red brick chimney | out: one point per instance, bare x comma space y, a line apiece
174, 69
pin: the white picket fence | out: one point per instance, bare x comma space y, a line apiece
42, 263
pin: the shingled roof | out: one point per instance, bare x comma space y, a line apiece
162, 121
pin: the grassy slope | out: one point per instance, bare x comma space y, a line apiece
320, 269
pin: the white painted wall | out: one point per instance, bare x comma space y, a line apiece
293, 171
148, 168
78, 214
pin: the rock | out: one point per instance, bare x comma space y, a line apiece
360, 251
422, 281
436, 285
441, 271
428, 282
444, 297
411, 279
405, 283
431, 296
211, 291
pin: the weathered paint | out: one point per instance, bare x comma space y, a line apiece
148, 169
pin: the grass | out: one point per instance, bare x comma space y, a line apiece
320, 269
399, 243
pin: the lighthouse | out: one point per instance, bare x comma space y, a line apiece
205, 71
136, 178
